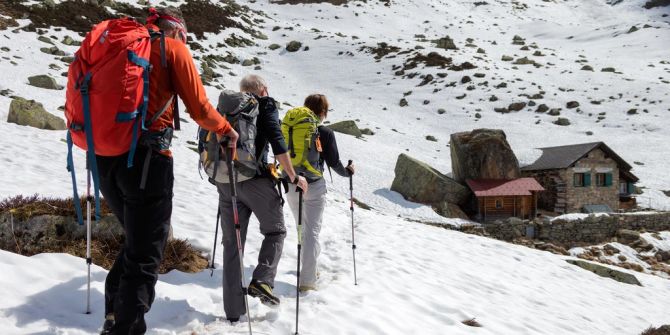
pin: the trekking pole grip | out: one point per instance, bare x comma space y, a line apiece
351, 176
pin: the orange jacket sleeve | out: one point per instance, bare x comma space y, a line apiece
187, 83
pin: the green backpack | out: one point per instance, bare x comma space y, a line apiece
300, 129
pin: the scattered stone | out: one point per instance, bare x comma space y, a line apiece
633, 29
478, 115
426, 80
554, 112
561, 121
493, 98
632, 111
53, 51
403, 102
501, 110
531, 103
348, 127
274, 46
516, 106
542, 108
67, 59
367, 131
608, 69
506, 58
572, 104
587, 68
441, 111
45, 40
67, 40
606, 272
445, 43
518, 40
293, 46
31, 113
44, 81
524, 61
465, 80
479, 75
611, 248
481, 51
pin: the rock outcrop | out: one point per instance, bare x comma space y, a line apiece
482, 154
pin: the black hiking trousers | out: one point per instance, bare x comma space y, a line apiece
145, 216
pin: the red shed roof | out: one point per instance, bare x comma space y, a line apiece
501, 187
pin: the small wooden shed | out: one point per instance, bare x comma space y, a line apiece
499, 199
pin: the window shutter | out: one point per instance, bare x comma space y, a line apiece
608, 179
587, 179
631, 188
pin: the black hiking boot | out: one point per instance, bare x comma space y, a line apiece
107, 326
263, 292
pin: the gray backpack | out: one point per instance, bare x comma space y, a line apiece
241, 110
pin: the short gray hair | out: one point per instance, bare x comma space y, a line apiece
253, 83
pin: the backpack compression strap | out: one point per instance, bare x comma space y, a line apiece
90, 152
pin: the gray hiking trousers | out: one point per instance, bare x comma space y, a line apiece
314, 202
258, 196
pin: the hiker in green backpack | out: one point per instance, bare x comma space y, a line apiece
311, 146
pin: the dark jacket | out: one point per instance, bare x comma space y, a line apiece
268, 133
329, 154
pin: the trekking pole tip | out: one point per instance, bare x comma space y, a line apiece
350, 162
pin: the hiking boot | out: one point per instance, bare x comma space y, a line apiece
107, 326
233, 320
305, 288
263, 292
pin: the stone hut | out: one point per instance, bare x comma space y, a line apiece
587, 177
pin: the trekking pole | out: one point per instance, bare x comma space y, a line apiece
216, 237
88, 239
297, 284
351, 207
240, 250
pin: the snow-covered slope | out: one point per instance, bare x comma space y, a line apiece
413, 278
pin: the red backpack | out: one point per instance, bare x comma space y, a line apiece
108, 95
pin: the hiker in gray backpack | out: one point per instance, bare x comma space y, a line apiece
255, 114
322, 143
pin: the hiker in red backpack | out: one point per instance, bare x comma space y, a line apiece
128, 136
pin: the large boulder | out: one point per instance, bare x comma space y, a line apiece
31, 113
450, 210
482, 154
44, 81
606, 272
419, 182
348, 127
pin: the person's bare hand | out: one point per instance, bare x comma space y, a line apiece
232, 137
302, 184
351, 169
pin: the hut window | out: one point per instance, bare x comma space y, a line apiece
600, 179
499, 203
